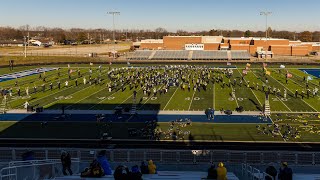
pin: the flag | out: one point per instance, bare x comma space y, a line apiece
71, 71
289, 75
244, 72
110, 63
228, 63
91, 64
248, 65
268, 73
68, 65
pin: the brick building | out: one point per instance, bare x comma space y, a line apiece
252, 45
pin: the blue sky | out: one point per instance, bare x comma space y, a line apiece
191, 15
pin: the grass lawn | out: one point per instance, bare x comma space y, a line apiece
216, 95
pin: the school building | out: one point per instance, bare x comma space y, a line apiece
253, 45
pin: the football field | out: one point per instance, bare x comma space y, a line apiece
187, 89
248, 92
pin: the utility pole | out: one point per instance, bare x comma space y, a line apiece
25, 46
113, 13
266, 14
26, 41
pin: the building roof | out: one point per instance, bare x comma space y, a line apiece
152, 41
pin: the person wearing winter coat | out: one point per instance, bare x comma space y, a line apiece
212, 172
144, 168
285, 173
221, 172
102, 159
272, 171
135, 173
152, 167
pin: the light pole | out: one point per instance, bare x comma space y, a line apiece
266, 14
25, 46
113, 13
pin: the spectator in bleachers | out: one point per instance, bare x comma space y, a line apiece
121, 173
28, 156
66, 163
152, 167
135, 173
272, 171
212, 172
102, 159
144, 168
221, 172
285, 173
94, 170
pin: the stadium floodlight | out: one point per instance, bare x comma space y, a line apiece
113, 13
266, 13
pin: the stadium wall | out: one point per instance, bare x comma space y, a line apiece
151, 46
316, 48
240, 47
212, 46
299, 50
239, 41
281, 50
277, 46
178, 42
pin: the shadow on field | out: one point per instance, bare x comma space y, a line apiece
117, 123
256, 104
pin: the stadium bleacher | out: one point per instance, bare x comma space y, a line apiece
171, 55
182, 166
210, 55
162, 175
188, 55
140, 55
240, 55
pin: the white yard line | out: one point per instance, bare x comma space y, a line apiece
60, 90
214, 102
276, 96
293, 93
47, 105
53, 102
311, 82
85, 97
279, 131
284, 103
250, 89
170, 98
191, 100
110, 96
149, 99
101, 100
235, 95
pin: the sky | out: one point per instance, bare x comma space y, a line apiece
189, 15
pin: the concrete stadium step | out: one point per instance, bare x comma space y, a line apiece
152, 54
229, 55
295, 176
162, 175
190, 55
267, 110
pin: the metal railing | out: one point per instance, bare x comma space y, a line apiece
172, 156
251, 173
36, 169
